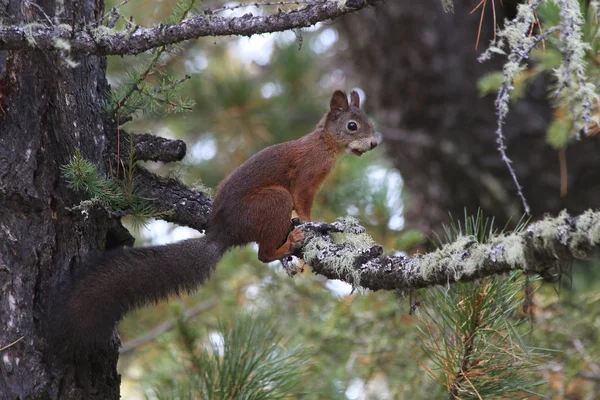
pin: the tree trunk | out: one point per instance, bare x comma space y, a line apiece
47, 109
420, 67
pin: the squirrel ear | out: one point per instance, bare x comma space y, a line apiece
339, 101
355, 99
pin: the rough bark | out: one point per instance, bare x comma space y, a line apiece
420, 67
47, 110
148, 147
182, 205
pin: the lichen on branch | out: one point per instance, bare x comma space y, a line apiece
542, 248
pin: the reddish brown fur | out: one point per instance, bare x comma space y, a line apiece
254, 204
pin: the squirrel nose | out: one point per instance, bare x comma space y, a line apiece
374, 143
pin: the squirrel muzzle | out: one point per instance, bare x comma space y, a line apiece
360, 146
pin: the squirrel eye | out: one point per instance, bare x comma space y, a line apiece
352, 126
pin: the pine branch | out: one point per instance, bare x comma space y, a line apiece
543, 248
103, 41
149, 147
124, 107
182, 205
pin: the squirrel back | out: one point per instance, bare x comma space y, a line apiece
253, 204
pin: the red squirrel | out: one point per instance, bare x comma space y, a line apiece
253, 204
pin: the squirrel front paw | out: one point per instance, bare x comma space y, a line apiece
296, 237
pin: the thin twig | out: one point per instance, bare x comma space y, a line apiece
468, 345
40, 9
593, 366
518, 55
159, 52
165, 326
170, 86
562, 162
113, 10
12, 344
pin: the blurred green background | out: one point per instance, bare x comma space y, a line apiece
254, 92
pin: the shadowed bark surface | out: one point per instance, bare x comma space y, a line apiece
419, 67
47, 110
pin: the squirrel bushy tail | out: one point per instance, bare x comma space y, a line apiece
121, 280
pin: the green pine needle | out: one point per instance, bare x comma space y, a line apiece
83, 176
472, 341
248, 361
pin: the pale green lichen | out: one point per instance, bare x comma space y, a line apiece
312, 248
59, 7
595, 233
61, 44
65, 48
466, 264
29, 36
102, 33
587, 232
453, 257
571, 75
341, 4
341, 261
448, 5
513, 251
430, 264
359, 240
70, 62
350, 225
200, 187
546, 233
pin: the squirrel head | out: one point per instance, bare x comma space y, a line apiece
349, 125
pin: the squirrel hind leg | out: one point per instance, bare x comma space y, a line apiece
269, 253
271, 212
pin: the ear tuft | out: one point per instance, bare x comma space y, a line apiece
339, 101
355, 99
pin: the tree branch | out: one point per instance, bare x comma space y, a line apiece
182, 205
103, 41
542, 248
149, 147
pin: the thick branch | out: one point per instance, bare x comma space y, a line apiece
102, 40
542, 248
182, 205
148, 147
